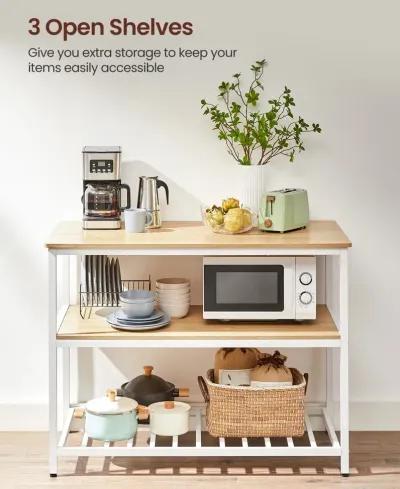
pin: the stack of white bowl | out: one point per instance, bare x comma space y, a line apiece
173, 295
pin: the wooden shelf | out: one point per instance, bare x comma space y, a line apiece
194, 327
194, 235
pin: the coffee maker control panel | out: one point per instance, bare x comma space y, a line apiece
101, 166
101, 163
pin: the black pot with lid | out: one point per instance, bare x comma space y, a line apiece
149, 388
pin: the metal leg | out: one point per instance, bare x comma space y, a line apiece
329, 359
66, 381
52, 263
344, 365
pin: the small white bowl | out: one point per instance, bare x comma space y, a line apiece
173, 292
176, 311
172, 283
171, 302
173, 297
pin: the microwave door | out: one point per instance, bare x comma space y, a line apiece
247, 291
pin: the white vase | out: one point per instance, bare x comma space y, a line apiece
252, 185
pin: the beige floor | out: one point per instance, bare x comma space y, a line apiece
375, 464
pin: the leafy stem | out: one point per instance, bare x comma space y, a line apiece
251, 135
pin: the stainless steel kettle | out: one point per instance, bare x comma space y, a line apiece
148, 198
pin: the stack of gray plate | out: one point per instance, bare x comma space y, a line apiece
138, 312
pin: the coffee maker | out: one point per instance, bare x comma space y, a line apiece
102, 187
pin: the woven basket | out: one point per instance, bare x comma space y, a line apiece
253, 411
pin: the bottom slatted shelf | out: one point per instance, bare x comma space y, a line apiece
75, 443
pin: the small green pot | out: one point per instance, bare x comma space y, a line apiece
111, 418
111, 427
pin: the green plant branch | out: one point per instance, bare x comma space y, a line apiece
253, 136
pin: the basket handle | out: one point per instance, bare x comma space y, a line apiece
306, 379
203, 388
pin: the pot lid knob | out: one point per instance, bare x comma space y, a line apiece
148, 369
169, 404
111, 394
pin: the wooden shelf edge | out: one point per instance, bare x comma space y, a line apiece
194, 327
176, 235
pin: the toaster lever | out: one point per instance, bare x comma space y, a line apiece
270, 200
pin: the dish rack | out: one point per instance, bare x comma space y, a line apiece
88, 300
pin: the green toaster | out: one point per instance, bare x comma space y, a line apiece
283, 210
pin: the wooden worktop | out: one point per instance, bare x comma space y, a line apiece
189, 234
194, 327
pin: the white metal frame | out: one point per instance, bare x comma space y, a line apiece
200, 447
337, 365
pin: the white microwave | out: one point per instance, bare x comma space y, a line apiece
259, 288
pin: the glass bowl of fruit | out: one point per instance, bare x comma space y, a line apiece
228, 218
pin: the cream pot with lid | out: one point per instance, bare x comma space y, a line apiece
112, 418
169, 418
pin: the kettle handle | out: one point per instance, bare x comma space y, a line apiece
140, 193
160, 183
128, 196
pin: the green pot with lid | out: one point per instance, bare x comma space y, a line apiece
112, 417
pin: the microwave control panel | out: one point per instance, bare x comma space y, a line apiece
306, 291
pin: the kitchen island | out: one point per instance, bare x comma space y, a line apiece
68, 329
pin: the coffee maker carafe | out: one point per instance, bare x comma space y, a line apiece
102, 187
148, 198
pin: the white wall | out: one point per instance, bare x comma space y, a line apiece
341, 60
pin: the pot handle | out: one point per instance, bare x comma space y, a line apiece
142, 412
203, 388
181, 392
306, 379
79, 413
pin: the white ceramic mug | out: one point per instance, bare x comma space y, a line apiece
136, 220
